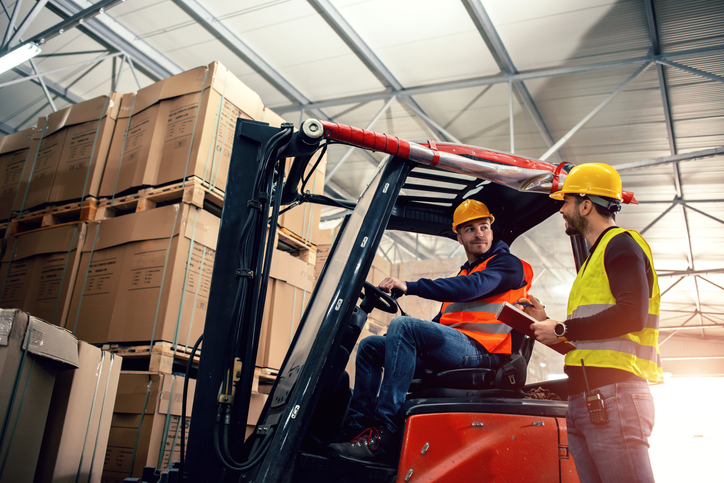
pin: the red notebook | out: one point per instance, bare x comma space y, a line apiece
521, 321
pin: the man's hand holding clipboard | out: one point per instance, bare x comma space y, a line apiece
532, 327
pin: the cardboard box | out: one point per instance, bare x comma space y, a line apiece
72, 145
256, 405
290, 286
145, 430
39, 170
145, 277
14, 152
181, 126
79, 420
39, 269
31, 353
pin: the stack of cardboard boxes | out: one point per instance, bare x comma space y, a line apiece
57, 396
140, 275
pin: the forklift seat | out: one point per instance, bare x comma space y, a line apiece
505, 381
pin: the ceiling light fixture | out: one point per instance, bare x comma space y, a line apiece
18, 55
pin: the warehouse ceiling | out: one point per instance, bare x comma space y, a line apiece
638, 84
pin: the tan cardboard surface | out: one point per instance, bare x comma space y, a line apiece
180, 126
137, 440
14, 151
39, 269
283, 310
71, 146
138, 272
41, 166
79, 422
89, 127
135, 148
28, 407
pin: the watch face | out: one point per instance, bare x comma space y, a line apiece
559, 330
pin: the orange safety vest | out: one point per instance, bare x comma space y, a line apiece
476, 318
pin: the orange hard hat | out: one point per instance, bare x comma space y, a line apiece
470, 210
597, 179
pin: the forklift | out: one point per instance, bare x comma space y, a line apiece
459, 425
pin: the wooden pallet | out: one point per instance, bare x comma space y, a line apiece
53, 216
161, 357
296, 246
193, 191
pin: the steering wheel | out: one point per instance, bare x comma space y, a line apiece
377, 299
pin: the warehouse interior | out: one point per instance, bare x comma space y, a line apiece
637, 84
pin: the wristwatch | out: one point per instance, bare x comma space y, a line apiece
560, 330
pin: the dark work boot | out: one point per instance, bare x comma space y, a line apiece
373, 445
347, 433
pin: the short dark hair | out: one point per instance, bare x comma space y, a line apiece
601, 210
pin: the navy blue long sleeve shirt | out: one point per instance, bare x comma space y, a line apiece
502, 273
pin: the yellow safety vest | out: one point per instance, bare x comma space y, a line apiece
635, 352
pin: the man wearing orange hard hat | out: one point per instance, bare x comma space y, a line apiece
464, 334
613, 320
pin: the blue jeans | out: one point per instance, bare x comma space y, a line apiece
617, 451
407, 338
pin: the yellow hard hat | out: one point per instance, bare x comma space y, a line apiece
470, 210
595, 179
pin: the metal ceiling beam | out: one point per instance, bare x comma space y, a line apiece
435, 127
12, 18
26, 23
689, 273
648, 163
496, 47
114, 36
595, 111
399, 239
52, 86
65, 67
656, 50
690, 358
691, 70
497, 79
224, 35
687, 238
690, 327
350, 37
413, 248
6, 128
46, 91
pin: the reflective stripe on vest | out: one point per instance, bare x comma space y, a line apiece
476, 319
635, 352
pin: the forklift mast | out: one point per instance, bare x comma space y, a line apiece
217, 450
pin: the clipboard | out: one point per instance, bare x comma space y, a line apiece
521, 321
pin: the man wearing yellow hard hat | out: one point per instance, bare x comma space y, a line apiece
613, 320
464, 334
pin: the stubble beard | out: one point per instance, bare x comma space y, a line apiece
576, 225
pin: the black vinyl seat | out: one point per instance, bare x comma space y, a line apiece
505, 381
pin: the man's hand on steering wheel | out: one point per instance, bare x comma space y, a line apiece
390, 283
